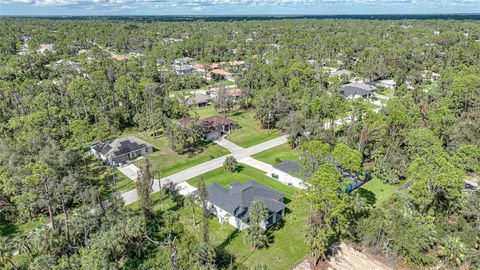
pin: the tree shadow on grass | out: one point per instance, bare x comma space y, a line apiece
239, 168
367, 194
224, 257
232, 235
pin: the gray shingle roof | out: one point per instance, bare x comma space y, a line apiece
240, 196
120, 146
361, 89
291, 167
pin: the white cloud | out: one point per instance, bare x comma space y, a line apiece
199, 5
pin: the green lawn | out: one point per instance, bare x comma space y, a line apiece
278, 154
206, 111
249, 133
123, 183
386, 91
166, 161
288, 247
7, 229
376, 191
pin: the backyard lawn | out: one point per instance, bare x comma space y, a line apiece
288, 247
166, 161
278, 154
250, 133
377, 192
206, 111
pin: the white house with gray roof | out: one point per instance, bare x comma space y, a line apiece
358, 90
288, 172
121, 150
231, 204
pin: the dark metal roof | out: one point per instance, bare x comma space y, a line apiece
240, 196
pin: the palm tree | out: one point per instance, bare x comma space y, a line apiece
191, 200
256, 237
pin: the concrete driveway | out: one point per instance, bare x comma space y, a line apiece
192, 172
257, 164
130, 170
230, 146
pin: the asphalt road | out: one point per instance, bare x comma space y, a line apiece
192, 172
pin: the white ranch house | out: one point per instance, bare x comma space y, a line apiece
231, 205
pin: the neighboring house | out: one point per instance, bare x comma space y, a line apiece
199, 100
471, 184
216, 126
429, 75
233, 93
45, 47
341, 73
119, 57
358, 90
232, 204
288, 173
183, 61
73, 67
121, 150
291, 173
220, 74
390, 84
183, 69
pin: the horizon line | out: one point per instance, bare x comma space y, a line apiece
250, 15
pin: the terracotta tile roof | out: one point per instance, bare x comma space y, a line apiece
217, 120
119, 57
221, 72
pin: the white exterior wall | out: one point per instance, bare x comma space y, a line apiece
212, 135
288, 179
223, 217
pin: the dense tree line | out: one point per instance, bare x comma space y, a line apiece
425, 138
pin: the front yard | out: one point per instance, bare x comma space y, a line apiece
165, 161
278, 154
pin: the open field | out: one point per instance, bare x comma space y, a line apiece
250, 133
278, 154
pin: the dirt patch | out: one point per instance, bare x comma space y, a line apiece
346, 257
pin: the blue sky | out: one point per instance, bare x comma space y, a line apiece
234, 7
